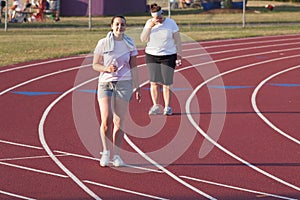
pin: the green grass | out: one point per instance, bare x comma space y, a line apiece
34, 41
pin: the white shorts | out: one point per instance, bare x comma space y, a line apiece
120, 89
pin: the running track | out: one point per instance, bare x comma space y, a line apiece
234, 133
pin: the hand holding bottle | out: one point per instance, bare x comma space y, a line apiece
113, 67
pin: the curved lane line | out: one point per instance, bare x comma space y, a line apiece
15, 195
237, 188
46, 147
48, 150
255, 42
242, 49
236, 57
41, 131
68, 70
34, 170
165, 170
254, 38
21, 145
41, 77
220, 52
226, 45
185, 177
76, 180
40, 63
124, 190
182, 176
254, 105
215, 143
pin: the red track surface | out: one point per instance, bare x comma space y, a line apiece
234, 133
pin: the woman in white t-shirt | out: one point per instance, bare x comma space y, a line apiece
163, 53
17, 6
115, 59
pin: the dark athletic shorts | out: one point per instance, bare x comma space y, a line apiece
161, 68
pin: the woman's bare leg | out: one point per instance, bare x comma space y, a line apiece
154, 91
120, 110
106, 121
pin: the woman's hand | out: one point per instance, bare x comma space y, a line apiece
153, 22
111, 68
138, 95
178, 61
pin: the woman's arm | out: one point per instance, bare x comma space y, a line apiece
145, 35
135, 77
177, 40
97, 65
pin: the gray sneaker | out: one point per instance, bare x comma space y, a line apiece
168, 111
117, 161
104, 161
154, 110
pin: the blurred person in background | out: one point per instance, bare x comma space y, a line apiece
17, 6
54, 6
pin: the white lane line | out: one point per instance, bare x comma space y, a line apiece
28, 158
64, 176
65, 154
74, 178
87, 181
15, 195
236, 57
242, 49
40, 63
212, 141
220, 60
97, 159
124, 190
177, 70
237, 188
33, 170
47, 148
258, 112
140, 56
76, 155
41, 77
266, 39
176, 178
21, 145
143, 168
254, 42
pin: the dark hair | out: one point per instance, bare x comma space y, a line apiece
118, 16
154, 8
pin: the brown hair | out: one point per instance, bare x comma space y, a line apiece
113, 19
154, 8
118, 16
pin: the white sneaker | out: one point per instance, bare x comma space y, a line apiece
154, 110
168, 111
104, 161
117, 161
